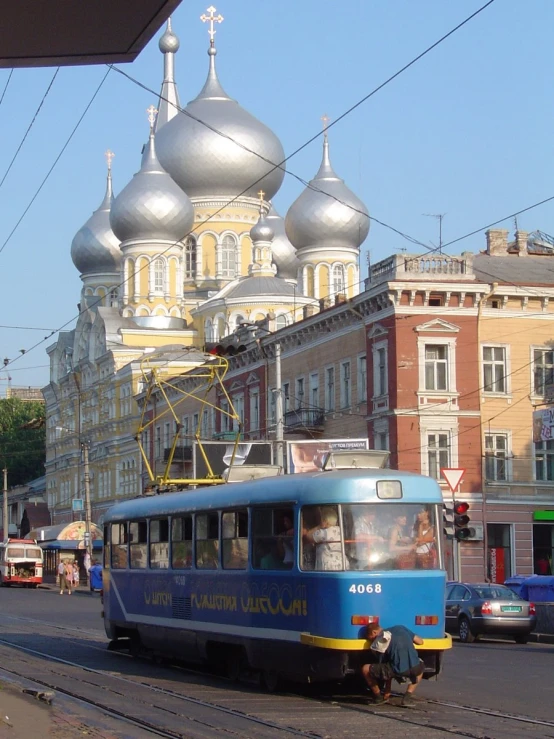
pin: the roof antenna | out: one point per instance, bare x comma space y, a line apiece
439, 217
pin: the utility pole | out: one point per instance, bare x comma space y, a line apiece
5, 506
279, 420
88, 513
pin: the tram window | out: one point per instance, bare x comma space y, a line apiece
16, 553
321, 538
34, 553
273, 538
159, 544
107, 548
137, 544
207, 541
119, 541
234, 527
389, 536
181, 543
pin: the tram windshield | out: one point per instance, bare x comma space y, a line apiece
369, 536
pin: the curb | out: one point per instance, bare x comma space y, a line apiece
542, 638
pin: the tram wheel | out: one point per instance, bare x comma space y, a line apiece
270, 681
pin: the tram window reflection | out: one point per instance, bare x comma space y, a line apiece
390, 536
119, 540
207, 541
159, 544
181, 543
273, 540
234, 526
138, 538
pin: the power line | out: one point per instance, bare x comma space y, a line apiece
29, 127
6, 86
56, 160
27, 328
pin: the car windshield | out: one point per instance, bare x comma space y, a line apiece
496, 592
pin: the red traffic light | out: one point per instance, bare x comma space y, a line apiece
461, 508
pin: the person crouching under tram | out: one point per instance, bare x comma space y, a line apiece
398, 658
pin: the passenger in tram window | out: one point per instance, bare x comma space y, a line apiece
366, 552
424, 533
402, 546
327, 539
268, 555
286, 541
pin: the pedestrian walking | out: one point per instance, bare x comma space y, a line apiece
63, 576
87, 565
398, 658
75, 574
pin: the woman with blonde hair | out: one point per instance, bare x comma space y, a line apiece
424, 540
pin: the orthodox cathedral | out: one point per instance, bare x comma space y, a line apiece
187, 251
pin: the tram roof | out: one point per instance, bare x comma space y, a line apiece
336, 486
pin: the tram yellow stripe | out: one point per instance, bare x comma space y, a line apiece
357, 645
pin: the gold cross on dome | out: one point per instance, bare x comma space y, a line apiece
325, 118
261, 195
152, 112
211, 19
109, 157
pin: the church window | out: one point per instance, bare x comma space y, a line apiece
209, 330
280, 322
228, 256
159, 274
190, 258
338, 279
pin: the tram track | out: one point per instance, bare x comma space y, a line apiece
448, 720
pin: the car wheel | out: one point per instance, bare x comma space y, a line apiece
521, 638
465, 632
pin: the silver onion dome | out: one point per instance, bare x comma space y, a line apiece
169, 43
327, 213
284, 253
151, 206
95, 247
262, 230
229, 153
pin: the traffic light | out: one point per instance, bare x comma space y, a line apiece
448, 527
225, 349
461, 521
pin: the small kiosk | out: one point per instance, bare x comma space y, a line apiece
66, 541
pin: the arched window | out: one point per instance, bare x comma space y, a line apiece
209, 330
190, 258
228, 256
220, 331
338, 279
159, 274
280, 322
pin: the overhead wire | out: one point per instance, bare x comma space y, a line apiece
56, 160
6, 86
29, 127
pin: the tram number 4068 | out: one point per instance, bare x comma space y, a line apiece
361, 588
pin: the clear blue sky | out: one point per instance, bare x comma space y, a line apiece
467, 131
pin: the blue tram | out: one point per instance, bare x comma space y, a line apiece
279, 575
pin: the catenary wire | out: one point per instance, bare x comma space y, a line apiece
31, 124
56, 160
6, 86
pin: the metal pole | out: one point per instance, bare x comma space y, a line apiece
279, 421
5, 505
88, 514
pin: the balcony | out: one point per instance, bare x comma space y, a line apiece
310, 419
440, 267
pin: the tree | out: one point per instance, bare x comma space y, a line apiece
22, 440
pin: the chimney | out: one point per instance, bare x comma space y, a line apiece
340, 298
307, 311
497, 242
324, 303
521, 243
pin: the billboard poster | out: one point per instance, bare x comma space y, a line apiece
219, 454
309, 455
543, 425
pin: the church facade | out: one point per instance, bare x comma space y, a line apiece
189, 250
